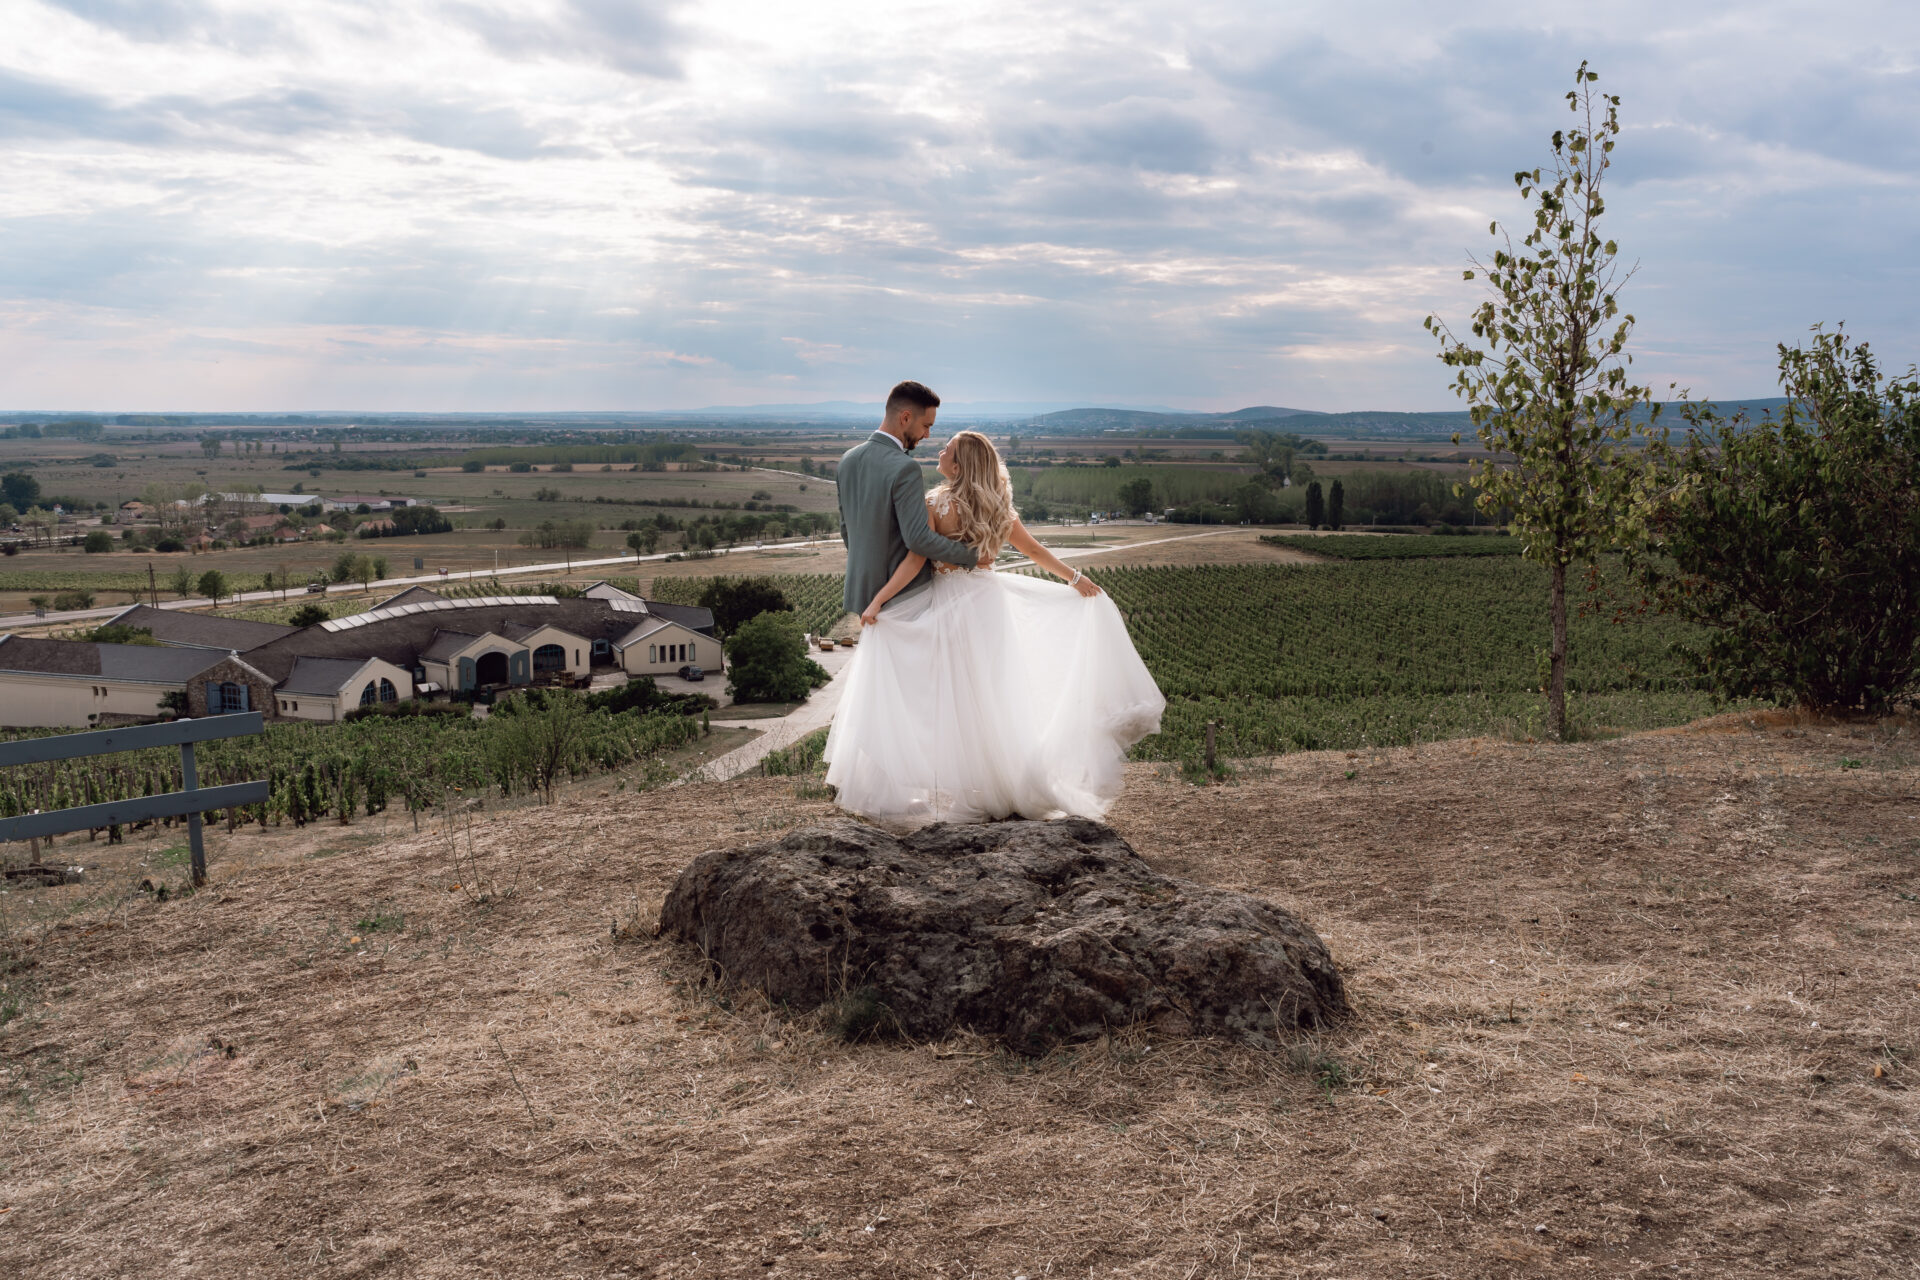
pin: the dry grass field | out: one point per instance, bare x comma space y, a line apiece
1641, 1006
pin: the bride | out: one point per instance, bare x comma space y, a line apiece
988, 695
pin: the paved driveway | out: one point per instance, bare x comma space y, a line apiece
815, 713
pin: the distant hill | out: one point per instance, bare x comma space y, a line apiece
1364, 424
1101, 419
832, 410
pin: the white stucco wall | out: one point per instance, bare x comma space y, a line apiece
578, 650
35, 701
312, 706
651, 656
306, 706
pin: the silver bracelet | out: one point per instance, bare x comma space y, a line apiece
1074, 581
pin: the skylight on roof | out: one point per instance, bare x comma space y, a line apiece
475, 602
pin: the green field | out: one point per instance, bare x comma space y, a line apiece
340, 771
1357, 654
1383, 653
1395, 546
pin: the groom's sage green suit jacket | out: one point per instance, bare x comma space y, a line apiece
883, 516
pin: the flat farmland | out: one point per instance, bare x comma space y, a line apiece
498, 491
473, 500
62, 469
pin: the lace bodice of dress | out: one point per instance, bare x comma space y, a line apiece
943, 506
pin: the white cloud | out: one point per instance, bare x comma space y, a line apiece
629, 203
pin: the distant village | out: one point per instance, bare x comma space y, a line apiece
239, 519
216, 520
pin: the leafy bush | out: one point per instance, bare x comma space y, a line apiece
409, 709
1136, 496
735, 601
815, 597
98, 541
73, 600
407, 522
473, 465
1795, 541
803, 757
768, 661
309, 615
20, 490
540, 738
120, 633
644, 696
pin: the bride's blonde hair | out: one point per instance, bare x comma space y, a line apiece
981, 494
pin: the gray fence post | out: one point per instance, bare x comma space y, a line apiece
190, 782
189, 802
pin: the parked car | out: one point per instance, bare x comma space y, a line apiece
691, 672
313, 587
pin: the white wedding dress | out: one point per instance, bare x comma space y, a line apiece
990, 695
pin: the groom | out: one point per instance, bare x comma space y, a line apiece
883, 502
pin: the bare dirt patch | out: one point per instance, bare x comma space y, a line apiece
1642, 1004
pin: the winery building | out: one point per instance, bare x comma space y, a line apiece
415, 644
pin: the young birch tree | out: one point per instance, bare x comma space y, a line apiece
1545, 372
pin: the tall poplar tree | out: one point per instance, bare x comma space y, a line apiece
1545, 372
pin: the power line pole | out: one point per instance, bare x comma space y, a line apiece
153, 588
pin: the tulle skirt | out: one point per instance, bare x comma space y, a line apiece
990, 695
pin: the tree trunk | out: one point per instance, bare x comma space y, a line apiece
1557, 659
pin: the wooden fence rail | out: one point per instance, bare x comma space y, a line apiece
192, 799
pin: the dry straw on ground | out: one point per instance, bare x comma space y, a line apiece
1646, 1005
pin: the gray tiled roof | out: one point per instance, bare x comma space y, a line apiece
148, 663
644, 630
446, 644
176, 627
519, 631
407, 636
320, 676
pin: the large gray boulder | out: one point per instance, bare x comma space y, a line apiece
1034, 932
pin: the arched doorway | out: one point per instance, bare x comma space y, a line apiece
490, 668
549, 657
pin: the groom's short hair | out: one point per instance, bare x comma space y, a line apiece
916, 394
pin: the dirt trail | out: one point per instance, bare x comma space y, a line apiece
1623, 1006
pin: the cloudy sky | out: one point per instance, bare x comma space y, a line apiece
640, 204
